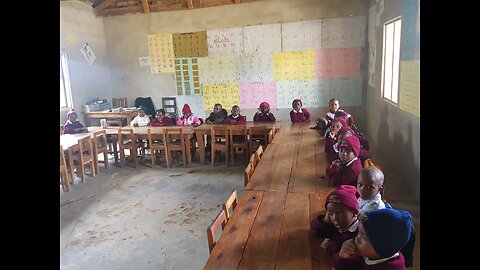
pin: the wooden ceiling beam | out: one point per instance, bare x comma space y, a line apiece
103, 5
120, 11
146, 8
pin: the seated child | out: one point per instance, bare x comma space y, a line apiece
333, 106
381, 235
298, 114
235, 117
331, 140
141, 120
188, 119
345, 169
370, 186
347, 132
339, 224
263, 113
72, 125
217, 116
161, 120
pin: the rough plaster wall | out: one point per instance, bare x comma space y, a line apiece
126, 37
77, 26
393, 133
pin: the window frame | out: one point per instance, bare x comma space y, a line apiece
394, 56
65, 80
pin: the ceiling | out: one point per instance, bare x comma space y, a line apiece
119, 7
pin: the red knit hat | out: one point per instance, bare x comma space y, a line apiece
186, 109
351, 143
72, 110
266, 105
343, 120
346, 195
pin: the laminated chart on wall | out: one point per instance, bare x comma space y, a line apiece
410, 40
160, 47
343, 32
225, 41
254, 67
338, 62
227, 94
252, 94
410, 86
217, 69
262, 38
194, 101
309, 91
302, 36
190, 44
371, 23
298, 65
187, 76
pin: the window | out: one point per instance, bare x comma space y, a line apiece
65, 91
391, 58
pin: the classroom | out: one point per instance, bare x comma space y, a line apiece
152, 209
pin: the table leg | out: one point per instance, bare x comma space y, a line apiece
201, 146
70, 161
189, 149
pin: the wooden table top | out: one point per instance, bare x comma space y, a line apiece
271, 230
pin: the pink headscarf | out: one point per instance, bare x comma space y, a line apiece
72, 110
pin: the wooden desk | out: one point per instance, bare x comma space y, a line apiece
109, 115
204, 129
271, 230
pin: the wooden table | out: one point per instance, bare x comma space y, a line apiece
70, 145
129, 115
204, 129
271, 230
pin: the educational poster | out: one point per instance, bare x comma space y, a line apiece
194, 101
409, 87
309, 91
301, 36
227, 94
254, 67
262, 38
225, 41
190, 44
87, 52
252, 94
371, 63
371, 24
338, 62
217, 69
410, 40
160, 47
298, 65
343, 32
187, 76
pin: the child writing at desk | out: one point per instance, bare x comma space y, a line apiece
72, 125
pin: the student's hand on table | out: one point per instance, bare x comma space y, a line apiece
336, 162
347, 250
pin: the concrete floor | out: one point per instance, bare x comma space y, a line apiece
144, 218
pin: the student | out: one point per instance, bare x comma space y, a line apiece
217, 116
333, 106
347, 132
141, 120
72, 125
188, 119
161, 120
263, 113
339, 224
331, 140
381, 235
345, 169
298, 114
370, 186
235, 117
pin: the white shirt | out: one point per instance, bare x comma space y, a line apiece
371, 204
141, 121
373, 262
